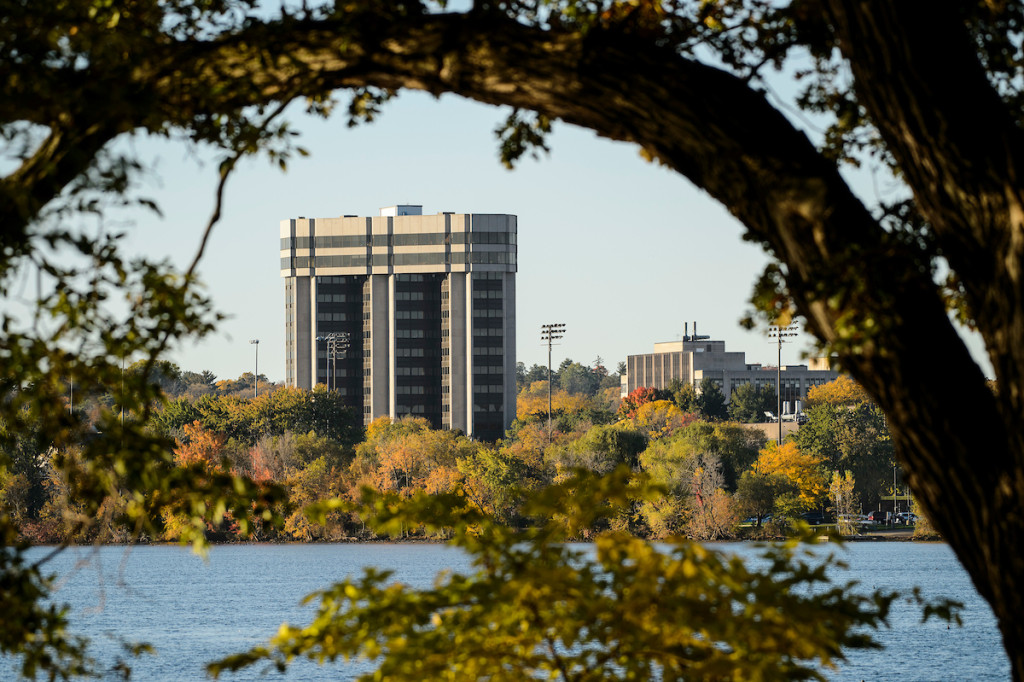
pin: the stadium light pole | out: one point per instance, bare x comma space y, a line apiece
550, 333
256, 373
781, 334
337, 343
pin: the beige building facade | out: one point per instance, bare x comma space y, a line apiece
697, 358
425, 308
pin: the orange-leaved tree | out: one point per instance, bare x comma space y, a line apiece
199, 446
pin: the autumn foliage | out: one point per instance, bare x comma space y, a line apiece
199, 446
638, 398
803, 470
700, 464
533, 401
843, 391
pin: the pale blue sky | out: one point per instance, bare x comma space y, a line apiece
620, 250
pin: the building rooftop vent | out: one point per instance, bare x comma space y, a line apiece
401, 209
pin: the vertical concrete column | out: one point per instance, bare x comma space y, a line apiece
380, 345
467, 385
459, 321
302, 327
509, 335
311, 331
392, 365
314, 330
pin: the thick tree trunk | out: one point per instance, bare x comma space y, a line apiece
919, 77
861, 290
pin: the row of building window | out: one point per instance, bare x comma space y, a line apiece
400, 259
352, 241
485, 276
484, 331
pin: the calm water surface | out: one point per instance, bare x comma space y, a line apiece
194, 611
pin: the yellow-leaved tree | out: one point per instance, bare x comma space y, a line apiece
802, 470
533, 401
843, 391
661, 418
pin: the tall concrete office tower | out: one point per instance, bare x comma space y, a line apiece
427, 305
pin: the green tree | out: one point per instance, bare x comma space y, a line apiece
603, 448
576, 378
535, 373
852, 438
495, 479
669, 463
685, 396
174, 415
758, 495
748, 403
735, 447
711, 400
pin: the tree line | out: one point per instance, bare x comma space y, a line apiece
715, 471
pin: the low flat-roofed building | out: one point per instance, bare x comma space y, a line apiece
696, 358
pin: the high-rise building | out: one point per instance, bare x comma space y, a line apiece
406, 313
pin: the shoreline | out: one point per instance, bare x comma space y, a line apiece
894, 535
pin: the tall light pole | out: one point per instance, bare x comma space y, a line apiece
895, 494
550, 333
781, 334
337, 343
256, 373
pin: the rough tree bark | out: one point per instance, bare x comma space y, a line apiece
860, 289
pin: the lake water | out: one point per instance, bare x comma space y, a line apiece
194, 611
